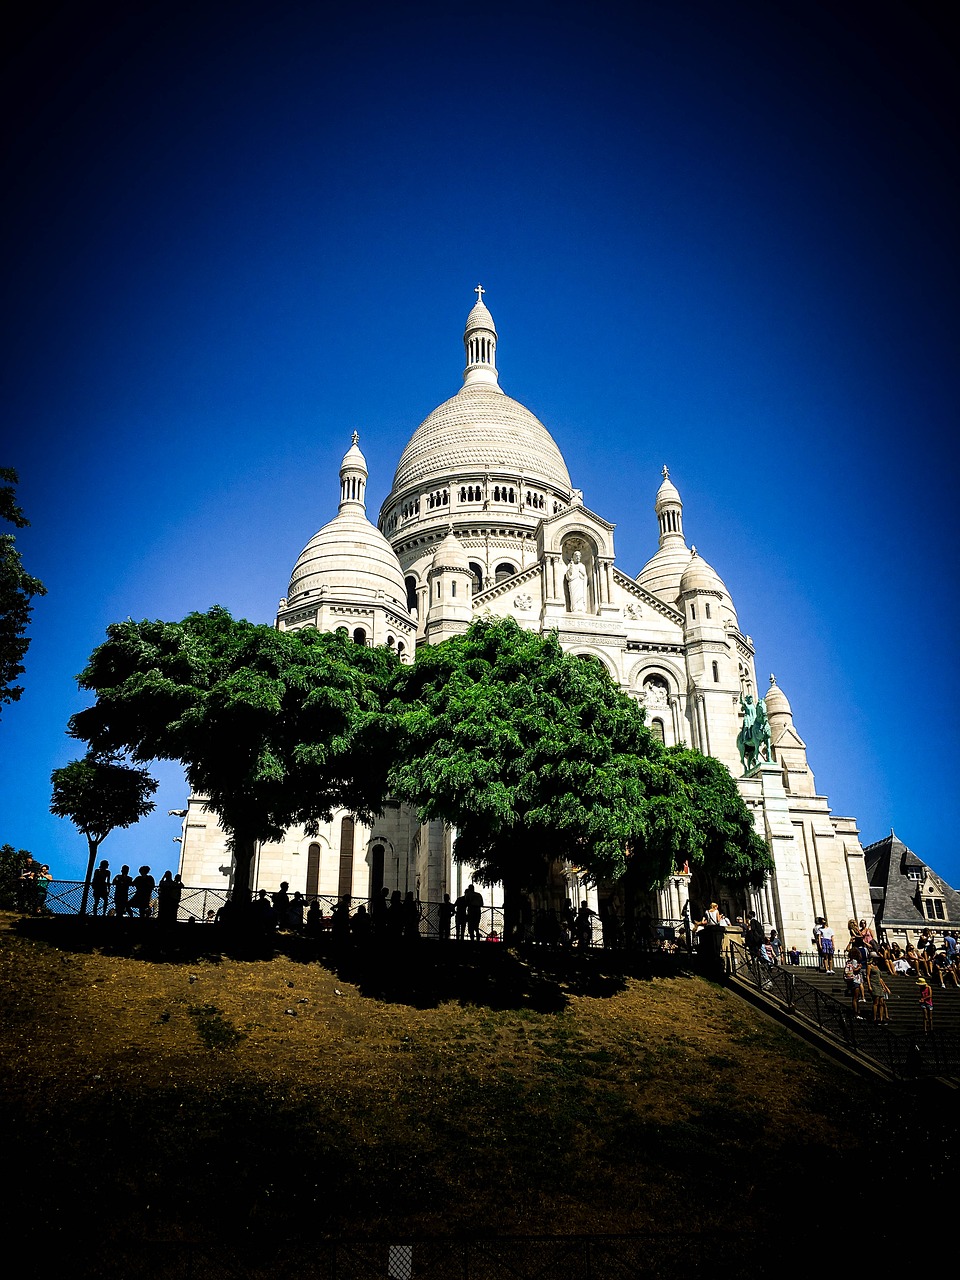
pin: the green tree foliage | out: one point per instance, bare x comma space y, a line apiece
535, 757
273, 728
17, 589
701, 820
13, 863
99, 794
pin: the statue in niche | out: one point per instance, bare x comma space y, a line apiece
576, 578
655, 693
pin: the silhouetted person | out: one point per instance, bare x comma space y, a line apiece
360, 926
314, 919
100, 885
281, 905
411, 918
122, 884
143, 887
395, 917
168, 900
474, 909
378, 912
341, 921
460, 915
295, 912
445, 915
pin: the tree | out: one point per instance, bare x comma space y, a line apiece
533, 755
701, 820
273, 728
98, 795
536, 757
13, 863
17, 589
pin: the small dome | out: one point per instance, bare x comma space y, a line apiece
353, 458
667, 494
479, 318
776, 700
699, 576
451, 555
349, 560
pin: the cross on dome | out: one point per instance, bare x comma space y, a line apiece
479, 291
355, 438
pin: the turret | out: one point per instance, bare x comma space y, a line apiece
480, 345
450, 588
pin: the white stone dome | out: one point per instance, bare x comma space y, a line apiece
349, 560
480, 429
776, 701
662, 573
700, 576
451, 555
479, 318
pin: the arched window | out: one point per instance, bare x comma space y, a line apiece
505, 570
376, 869
411, 585
360, 636
716, 673
656, 728
345, 880
707, 607
477, 572
313, 871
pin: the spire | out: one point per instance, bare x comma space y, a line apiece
480, 345
353, 478
669, 509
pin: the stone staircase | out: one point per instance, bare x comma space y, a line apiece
900, 1047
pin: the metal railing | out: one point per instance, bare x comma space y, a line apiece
904, 1055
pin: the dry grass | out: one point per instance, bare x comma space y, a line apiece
170, 1092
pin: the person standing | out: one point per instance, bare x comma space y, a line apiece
926, 1004
474, 910
447, 911
878, 991
168, 900
143, 887
460, 915
827, 946
122, 883
100, 885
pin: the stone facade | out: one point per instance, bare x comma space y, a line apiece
482, 520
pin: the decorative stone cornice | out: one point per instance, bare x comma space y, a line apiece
654, 602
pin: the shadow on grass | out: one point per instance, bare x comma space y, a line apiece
423, 974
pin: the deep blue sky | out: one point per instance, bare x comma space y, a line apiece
721, 236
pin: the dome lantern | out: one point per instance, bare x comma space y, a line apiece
353, 477
480, 345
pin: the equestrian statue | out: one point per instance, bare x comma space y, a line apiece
755, 733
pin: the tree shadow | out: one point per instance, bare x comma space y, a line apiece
423, 974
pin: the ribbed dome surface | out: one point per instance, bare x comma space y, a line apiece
352, 560
700, 576
479, 318
481, 428
662, 573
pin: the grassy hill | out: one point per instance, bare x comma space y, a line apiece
167, 1099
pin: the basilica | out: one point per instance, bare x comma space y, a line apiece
483, 520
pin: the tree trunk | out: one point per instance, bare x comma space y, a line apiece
92, 846
244, 851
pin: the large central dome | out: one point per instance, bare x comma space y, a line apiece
481, 429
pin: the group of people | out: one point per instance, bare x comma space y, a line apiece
868, 959
139, 896
32, 888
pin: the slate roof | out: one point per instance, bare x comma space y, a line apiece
894, 892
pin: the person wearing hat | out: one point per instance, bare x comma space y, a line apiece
926, 1004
